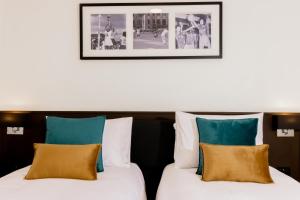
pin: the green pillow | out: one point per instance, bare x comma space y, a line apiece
76, 131
226, 132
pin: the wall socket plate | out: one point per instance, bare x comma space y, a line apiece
15, 131
285, 133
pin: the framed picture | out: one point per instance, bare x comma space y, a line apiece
151, 30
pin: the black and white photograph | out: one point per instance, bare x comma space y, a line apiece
193, 31
150, 31
164, 30
108, 31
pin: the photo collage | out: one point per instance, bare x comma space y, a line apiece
151, 31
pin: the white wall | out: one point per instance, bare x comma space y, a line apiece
40, 67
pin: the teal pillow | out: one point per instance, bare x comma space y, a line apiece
226, 132
76, 131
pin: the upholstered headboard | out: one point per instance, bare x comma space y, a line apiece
153, 139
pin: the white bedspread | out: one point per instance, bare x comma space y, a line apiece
113, 184
182, 184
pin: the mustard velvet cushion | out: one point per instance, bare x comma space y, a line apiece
236, 163
64, 161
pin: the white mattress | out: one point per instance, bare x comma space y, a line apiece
181, 184
112, 184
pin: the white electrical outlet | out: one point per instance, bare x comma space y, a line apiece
15, 130
285, 133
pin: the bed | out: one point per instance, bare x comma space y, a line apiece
116, 183
178, 184
152, 144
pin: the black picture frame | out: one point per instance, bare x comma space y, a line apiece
83, 55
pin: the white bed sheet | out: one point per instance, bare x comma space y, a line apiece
181, 184
115, 183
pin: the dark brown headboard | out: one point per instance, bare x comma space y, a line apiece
152, 141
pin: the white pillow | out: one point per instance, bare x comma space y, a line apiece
116, 142
186, 152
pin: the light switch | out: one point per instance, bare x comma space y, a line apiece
15, 130
285, 133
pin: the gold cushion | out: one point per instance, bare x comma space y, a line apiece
236, 163
64, 161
